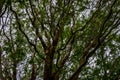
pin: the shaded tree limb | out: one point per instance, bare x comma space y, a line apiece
19, 26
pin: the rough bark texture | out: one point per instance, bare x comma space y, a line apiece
48, 64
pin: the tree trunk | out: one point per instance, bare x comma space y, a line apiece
48, 74
48, 68
56, 76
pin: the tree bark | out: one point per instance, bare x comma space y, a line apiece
33, 76
48, 75
48, 69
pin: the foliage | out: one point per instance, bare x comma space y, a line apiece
59, 40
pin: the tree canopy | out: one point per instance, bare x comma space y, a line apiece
59, 39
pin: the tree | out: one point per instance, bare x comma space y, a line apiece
60, 39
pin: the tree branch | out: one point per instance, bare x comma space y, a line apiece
19, 26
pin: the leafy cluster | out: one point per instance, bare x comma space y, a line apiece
59, 39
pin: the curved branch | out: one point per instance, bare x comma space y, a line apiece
19, 26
